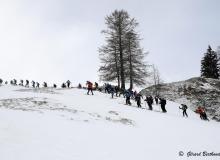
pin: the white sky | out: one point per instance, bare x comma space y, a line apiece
56, 40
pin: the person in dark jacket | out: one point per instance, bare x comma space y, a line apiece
122, 92
138, 99
149, 100
11, 82
21, 82
163, 103
204, 115
156, 100
132, 93
128, 97
37, 85
45, 85
63, 85
68, 83
112, 90
184, 108
107, 87
116, 90
54, 86
135, 94
15, 82
79, 86
33, 84
96, 86
27, 83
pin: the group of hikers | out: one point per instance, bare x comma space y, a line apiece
127, 94
149, 100
116, 91
35, 84
25, 84
200, 110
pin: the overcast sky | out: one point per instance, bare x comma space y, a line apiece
56, 40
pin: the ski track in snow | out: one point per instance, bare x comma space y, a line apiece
43, 105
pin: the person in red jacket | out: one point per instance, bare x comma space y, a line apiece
201, 111
90, 85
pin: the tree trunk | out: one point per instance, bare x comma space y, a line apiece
117, 68
130, 66
121, 56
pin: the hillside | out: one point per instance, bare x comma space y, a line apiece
193, 92
67, 124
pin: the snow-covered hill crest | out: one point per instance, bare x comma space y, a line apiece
193, 92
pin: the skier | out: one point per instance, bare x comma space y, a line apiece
111, 90
116, 90
204, 115
135, 94
79, 86
96, 85
21, 82
132, 93
1, 81
156, 100
201, 111
128, 97
33, 84
27, 83
68, 83
149, 101
37, 85
63, 85
45, 85
54, 86
138, 99
90, 85
163, 103
106, 87
184, 108
11, 82
15, 82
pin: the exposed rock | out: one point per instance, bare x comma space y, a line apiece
193, 92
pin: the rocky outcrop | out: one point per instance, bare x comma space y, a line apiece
193, 92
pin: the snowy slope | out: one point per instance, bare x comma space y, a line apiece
67, 124
193, 92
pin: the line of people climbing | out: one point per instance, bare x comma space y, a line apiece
149, 100
116, 91
35, 84
128, 95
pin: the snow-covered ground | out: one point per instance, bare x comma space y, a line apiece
67, 124
193, 92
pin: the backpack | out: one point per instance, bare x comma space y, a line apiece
90, 84
185, 106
